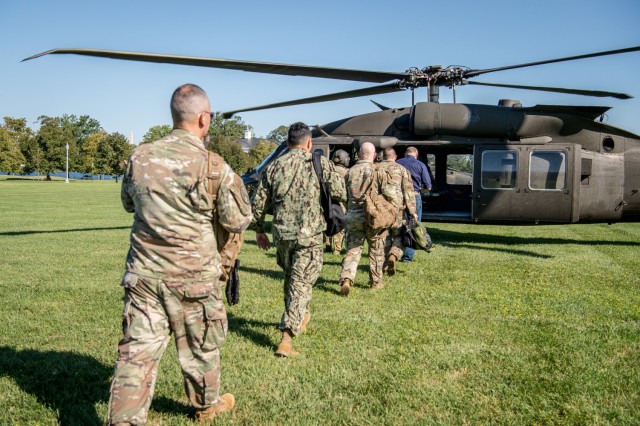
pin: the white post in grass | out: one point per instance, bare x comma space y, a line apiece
67, 178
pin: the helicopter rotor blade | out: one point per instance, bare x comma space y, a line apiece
597, 93
474, 73
367, 91
250, 66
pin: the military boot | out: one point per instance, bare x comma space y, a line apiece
285, 348
377, 286
345, 286
305, 321
391, 265
224, 404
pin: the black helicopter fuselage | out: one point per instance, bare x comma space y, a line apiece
506, 163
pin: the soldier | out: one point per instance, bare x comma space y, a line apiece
290, 185
341, 163
171, 283
394, 183
421, 179
359, 181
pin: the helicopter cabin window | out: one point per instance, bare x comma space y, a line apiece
459, 169
499, 169
430, 161
547, 170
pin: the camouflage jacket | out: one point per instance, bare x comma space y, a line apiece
165, 186
290, 187
342, 171
394, 183
359, 180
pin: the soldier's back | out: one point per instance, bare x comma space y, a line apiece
391, 182
172, 222
295, 191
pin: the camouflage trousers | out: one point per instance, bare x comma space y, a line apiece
355, 243
337, 242
153, 309
301, 261
393, 243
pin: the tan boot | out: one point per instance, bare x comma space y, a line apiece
224, 404
345, 286
377, 286
285, 348
305, 321
391, 265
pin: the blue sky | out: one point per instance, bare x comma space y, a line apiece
371, 35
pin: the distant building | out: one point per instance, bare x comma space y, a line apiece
131, 138
249, 141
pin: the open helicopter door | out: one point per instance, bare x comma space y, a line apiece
526, 183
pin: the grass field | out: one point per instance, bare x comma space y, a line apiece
499, 324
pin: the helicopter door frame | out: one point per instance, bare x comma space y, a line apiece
526, 183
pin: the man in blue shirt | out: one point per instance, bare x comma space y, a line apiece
421, 179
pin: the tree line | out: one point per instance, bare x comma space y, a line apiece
94, 151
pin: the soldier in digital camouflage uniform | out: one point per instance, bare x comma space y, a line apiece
397, 188
359, 181
290, 187
171, 283
341, 165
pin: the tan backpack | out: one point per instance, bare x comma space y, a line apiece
380, 213
229, 243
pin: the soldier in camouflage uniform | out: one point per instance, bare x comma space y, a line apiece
341, 163
290, 186
171, 283
397, 188
359, 181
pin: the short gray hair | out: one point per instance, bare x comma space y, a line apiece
412, 150
187, 102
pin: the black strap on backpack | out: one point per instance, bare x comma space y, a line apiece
333, 214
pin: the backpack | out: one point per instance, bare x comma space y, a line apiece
415, 235
229, 243
422, 237
380, 213
334, 216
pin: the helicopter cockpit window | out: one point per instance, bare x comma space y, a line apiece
548, 170
459, 169
499, 169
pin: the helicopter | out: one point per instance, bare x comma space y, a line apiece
504, 163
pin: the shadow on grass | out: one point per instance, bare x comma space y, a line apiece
275, 274
328, 286
454, 239
69, 383
56, 231
247, 329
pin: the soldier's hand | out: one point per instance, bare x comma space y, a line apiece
263, 241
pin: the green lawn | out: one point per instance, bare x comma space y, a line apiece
498, 324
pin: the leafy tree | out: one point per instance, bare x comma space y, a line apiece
156, 132
231, 150
89, 152
233, 127
11, 159
224, 134
260, 151
279, 134
121, 149
112, 151
33, 155
52, 138
23, 136
80, 127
